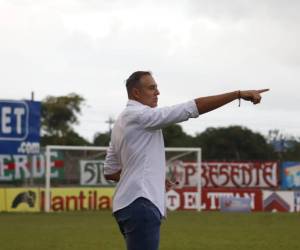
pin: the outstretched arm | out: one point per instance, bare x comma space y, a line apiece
209, 103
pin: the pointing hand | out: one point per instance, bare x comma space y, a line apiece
253, 96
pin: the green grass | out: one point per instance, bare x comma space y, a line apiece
181, 231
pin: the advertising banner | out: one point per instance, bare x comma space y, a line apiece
235, 204
228, 174
297, 201
19, 127
185, 199
62, 199
79, 199
22, 200
290, 175
18, 168
213, 199
2, 200
92, 173
278, 201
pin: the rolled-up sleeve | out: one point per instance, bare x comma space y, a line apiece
111, 164
156, 118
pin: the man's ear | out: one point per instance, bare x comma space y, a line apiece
136, 93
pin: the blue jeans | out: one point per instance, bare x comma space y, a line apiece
139, 223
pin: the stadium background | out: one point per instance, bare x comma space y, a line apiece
193, 47
80, 198
76, 178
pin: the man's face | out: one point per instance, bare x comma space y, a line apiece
147, 92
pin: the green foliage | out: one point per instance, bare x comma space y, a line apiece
234, 143
225, 143
58, 115
291, 153
70, 138
174, 136
101, 139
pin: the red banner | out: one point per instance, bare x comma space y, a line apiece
185, 199
228, 174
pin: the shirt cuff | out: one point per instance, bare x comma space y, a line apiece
111, 169
192, 108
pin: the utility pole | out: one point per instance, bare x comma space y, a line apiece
110, 122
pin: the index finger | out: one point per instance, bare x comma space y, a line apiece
262, 90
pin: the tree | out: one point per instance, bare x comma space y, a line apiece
101, 139
287, 147
58, 115
292, 151
70, 138
174, 136
234, 143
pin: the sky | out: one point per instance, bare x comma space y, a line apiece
193, 48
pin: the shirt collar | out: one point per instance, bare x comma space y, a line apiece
134, 103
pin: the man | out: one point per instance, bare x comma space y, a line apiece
136, 156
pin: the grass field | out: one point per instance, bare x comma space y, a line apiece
181, 231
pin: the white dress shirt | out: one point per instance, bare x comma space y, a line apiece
137, 147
